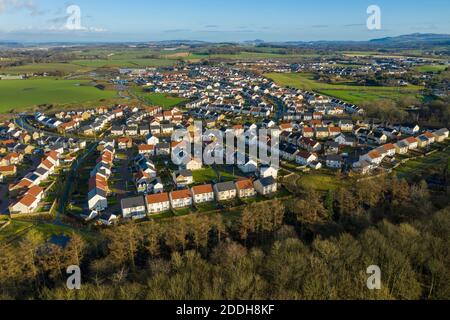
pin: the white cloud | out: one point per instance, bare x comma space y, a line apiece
27, 5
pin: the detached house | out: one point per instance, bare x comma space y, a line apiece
266, 186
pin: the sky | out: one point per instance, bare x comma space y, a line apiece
217, 20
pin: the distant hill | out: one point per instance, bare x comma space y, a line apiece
415, 38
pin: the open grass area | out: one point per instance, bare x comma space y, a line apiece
160, 99
428, 165
319, 181
21, 94
14, 229
204, 176
45, 67
348, 92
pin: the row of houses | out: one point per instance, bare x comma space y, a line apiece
98, 181
374, 158
138, 207
28, 189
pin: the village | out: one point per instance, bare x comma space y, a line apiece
129, 173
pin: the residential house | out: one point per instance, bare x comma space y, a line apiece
194, 164
245, 189
181, 199
412, 143
441, 135
345, 140
225, 191
133, 207
266, 171
202, 194
157, 203
183, 178
147, 149
334, 161
401, 147
305, 158
124, 143
8, 171
266, 186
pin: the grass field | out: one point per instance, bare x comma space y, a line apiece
45, 67
319, 182
425, 165
348, 92
207, 175
125, 63
160, 99
431, 68
21, 94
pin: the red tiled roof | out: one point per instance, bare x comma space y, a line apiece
158, 198
207, 188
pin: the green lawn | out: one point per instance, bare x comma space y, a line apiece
207, 175
160, 99
319, 181
204, 176
21, 94
346, 91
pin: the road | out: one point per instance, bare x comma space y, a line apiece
23, 122
65, 194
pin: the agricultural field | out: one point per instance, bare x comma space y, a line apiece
45, 67
22, 94
431, 68
125, 63
348, 92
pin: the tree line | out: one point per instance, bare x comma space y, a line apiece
312, 246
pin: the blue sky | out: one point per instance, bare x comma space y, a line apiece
209, 20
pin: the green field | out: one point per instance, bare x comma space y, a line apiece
45, 67
208, 175
160, 99
319, 182
348, 92
22, 94
125, 63
431, 68
424, 166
